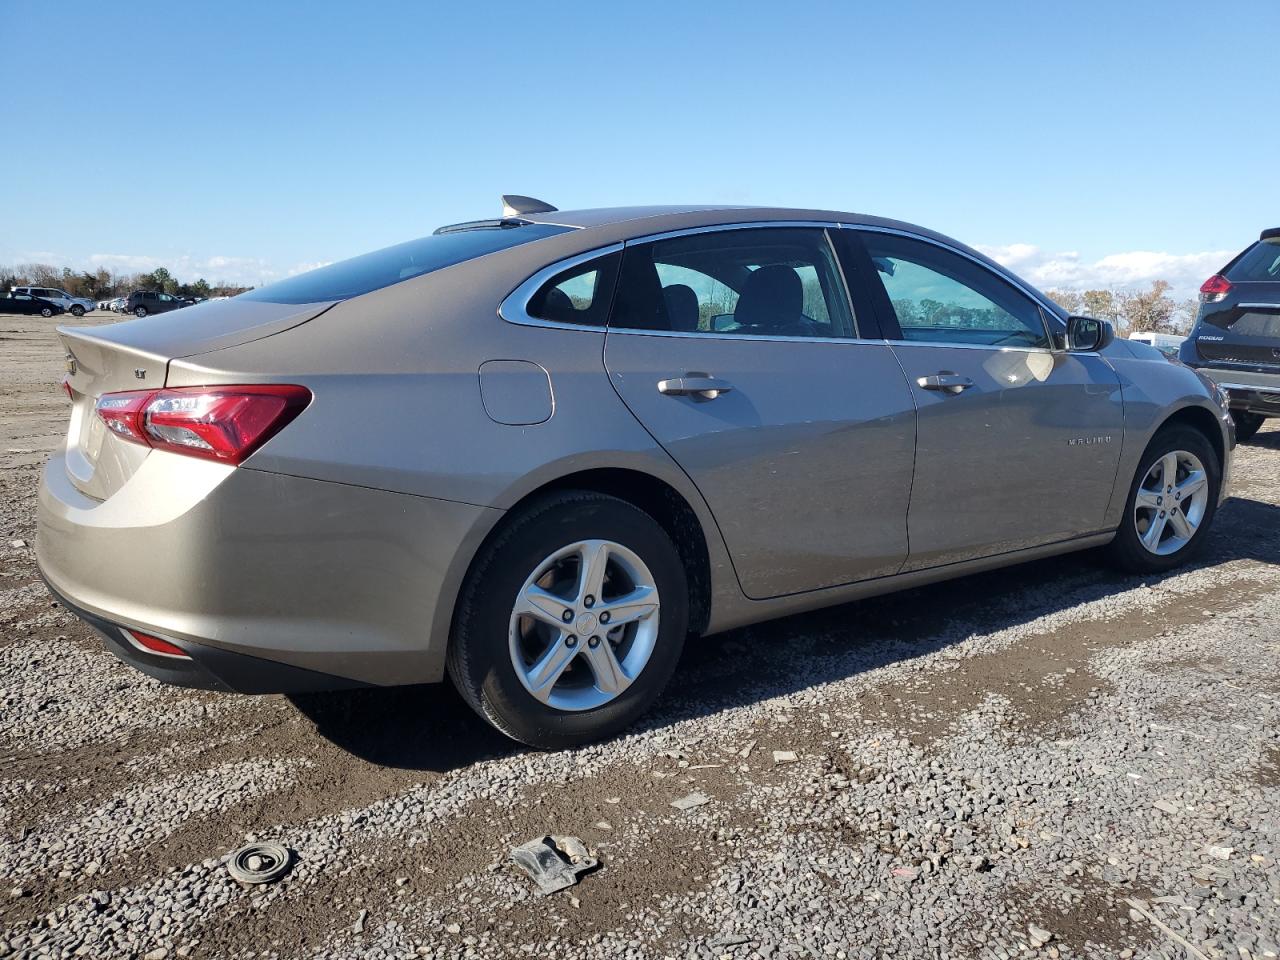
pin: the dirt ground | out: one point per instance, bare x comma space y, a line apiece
1036, 746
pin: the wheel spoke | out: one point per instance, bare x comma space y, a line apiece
1182, 527
609, 675
1168, 470
636, 605
1192, 485
542, 605
1147, 498
595, 559
1152, 537
542, 676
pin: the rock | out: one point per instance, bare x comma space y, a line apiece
159, 953
1039, 936
453, 928
692, 800
359, 924
1221, 853
17, 544
784, 756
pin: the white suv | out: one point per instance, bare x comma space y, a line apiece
76, 306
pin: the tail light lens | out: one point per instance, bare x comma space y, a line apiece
225, 424
155, 645
1214, 289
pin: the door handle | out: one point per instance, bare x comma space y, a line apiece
946, 381
699, 386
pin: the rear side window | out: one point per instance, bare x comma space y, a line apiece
404, 261
580, 295
1259, 262
755, 282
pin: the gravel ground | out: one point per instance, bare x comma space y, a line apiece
1049, 760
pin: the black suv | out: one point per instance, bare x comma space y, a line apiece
1236, 338
143, 302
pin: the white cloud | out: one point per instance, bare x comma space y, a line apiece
1136, 269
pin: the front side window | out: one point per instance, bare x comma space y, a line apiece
759, 281
941, 297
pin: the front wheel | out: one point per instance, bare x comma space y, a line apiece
77, 311
1171, 503
571, 621
46, 312
1247, 424
139, 312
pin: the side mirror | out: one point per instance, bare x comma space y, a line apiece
1086, 334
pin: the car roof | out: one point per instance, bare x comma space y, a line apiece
602, 225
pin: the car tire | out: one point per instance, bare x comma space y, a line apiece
77, 311
1247, 425
1186, 446
139, 312
490, 634
46, 312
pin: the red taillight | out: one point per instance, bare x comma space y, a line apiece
218, 423
1214, 289
66, 388
156, 645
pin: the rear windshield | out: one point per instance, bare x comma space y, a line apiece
404, 261
1259, 262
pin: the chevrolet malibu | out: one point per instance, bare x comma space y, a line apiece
537, 453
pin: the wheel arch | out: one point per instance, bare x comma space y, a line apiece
669, 508
1203, 421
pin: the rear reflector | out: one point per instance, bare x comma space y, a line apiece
155, 645
1214, 289
226, 424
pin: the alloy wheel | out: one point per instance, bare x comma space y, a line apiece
584, 625
1171, 502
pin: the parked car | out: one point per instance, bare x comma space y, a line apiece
26, 304
1167, 343
143, 302
517, 453
118, 304
1236, 338
76, 306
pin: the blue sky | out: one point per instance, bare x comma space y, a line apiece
1083, 142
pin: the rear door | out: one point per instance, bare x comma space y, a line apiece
1017, 442
739, 351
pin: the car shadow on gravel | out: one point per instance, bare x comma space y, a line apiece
425, 727
430, 728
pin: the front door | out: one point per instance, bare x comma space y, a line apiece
1017, 442
738, 351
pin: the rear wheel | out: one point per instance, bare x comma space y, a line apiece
1247, 424
1171, 503
139, 312
571, 621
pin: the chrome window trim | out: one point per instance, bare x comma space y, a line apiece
997, 271
741, 338
1258, 306
721, 227
515, 307
989, 347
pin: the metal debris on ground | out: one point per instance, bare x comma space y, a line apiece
259, 863
553, 863
691, 801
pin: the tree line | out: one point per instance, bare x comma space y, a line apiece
104, 284
1140, 311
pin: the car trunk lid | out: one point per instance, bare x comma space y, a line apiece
135, 355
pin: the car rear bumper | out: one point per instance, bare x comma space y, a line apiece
271, 583
1248, 390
